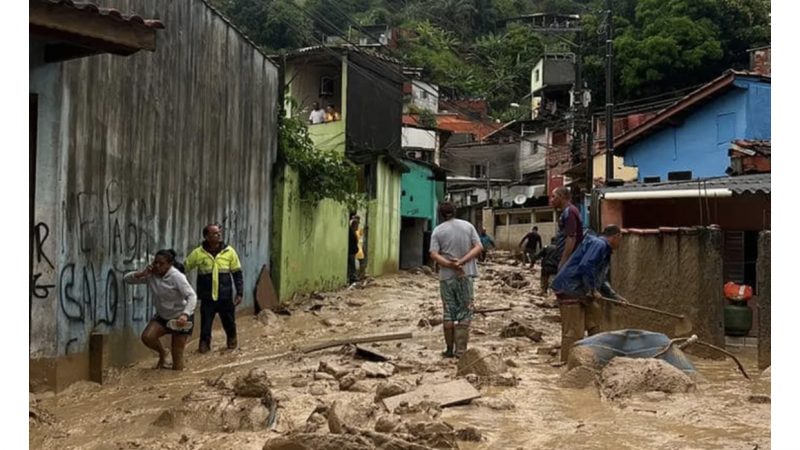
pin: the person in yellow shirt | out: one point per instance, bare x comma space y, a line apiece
330, 113
219, 271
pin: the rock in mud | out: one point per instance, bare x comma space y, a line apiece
470, 434
355, 303
431, 322
38, 415
255, 384
481, 363
583, 356
552, 318
655, 396
434, 434
625, 376
300, 383
377, 370
211, 409
323, 376
505, 379
312, 441
518, 329
387, 423
334, 369
497, 404
318, 388
427, 270
332, 322
385, 390
578, 378
759, 399
269, 319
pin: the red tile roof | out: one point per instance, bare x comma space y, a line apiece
93, 9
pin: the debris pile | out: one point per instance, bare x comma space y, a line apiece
622, 377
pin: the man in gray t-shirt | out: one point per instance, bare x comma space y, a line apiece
455, 245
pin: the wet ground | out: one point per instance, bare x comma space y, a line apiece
534, 414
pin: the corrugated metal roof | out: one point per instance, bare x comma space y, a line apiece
744, 184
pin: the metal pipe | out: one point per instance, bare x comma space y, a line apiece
609, 92
674, 193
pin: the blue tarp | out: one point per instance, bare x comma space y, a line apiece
635, 344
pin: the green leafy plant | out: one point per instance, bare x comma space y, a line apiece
324, 174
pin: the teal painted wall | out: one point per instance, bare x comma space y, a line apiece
419, 193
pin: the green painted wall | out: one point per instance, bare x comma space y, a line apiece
419, 198
384, 223
309, 243
309, 250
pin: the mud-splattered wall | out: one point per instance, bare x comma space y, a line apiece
764, 300
139, 153
676, 271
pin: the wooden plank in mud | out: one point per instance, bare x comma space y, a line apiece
371, 353
444, 394
266, 297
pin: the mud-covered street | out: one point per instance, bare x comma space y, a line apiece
302, 397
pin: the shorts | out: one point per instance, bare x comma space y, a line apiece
457, 294
163, 322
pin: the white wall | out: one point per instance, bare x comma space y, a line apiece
417, 137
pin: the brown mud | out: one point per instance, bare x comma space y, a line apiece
220, 402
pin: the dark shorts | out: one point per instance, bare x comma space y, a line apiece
457, 294
163, 322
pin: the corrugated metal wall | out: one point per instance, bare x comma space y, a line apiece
139, 153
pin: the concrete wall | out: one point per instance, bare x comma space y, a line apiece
310, 243
764, 300
508, 232
701, 142
675, 272
531, 156
425, 96
136, 154
384, 223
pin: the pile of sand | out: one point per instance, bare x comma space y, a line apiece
625, 376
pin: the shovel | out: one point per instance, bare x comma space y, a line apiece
683, 327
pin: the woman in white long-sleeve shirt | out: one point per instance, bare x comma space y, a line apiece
175, 302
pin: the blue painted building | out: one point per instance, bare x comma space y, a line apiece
695, 133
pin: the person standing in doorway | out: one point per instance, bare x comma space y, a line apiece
220, 285
581, 282
454, 246
317, 114
175, 302
570, 226
352, 249
533, 242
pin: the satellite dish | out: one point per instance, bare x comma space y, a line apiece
520, 199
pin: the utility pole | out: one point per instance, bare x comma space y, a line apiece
488, 186
609, 92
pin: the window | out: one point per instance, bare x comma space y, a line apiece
326, 86
536, 75
478, 171
522, 218
473, 199
543, 216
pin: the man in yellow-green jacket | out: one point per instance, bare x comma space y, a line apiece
218, 273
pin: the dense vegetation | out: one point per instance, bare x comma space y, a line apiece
661, 45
